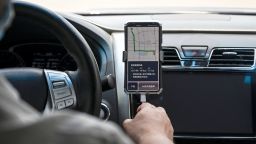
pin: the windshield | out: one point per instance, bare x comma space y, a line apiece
133, 6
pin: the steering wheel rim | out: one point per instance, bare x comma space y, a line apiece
86, 79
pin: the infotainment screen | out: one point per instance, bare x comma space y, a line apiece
207, 103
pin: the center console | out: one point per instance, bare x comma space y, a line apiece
208, 91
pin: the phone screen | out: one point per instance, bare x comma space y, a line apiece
143, 41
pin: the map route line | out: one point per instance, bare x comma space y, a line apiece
133, 39
134, 44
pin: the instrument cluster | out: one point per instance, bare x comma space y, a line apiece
38, 55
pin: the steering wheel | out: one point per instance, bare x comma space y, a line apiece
56, 90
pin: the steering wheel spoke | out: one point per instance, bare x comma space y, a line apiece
61, 90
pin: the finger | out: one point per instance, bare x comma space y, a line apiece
126, 122
145, 105
161, 109
163, 112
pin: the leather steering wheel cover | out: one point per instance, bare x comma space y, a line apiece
87, 81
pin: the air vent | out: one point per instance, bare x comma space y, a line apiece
170, 57
243, 57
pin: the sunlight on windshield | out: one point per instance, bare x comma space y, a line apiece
88, 5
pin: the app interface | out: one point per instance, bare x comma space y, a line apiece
143, 58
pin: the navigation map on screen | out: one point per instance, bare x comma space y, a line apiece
143, 43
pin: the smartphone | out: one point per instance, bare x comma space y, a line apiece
142, 57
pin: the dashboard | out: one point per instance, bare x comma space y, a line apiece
208, 77
208, 69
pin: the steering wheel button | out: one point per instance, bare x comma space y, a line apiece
58, 84
60, 93
61, 105
54, 75
69, 102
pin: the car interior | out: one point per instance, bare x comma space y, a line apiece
75, 61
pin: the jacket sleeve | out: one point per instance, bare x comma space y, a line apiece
21, 124
85, 129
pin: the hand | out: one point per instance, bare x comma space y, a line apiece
151, 125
